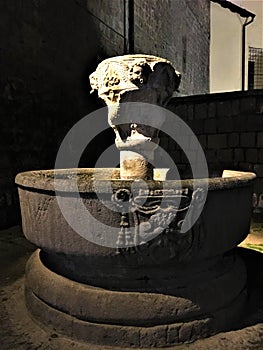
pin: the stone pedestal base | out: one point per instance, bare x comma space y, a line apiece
173, 312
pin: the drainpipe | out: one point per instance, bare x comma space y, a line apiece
245, 24
131, 26
124, 28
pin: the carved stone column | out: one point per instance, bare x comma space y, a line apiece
135, 78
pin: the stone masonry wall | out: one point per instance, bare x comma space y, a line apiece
178, 30
229, 127
46, 56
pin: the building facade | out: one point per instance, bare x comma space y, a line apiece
178, 30
228, 22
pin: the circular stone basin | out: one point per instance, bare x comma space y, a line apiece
222, 225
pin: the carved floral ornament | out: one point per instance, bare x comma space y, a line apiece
117, 75
166, 212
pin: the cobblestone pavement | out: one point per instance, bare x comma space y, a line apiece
19, 332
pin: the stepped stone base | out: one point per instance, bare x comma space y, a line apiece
153, 318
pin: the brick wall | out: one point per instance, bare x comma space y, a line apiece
178, 30
229, 127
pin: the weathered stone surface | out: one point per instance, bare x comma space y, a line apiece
152, 35
132, 336
166, 299
162, 283
18, 329
44, 215
117, 75
141, 79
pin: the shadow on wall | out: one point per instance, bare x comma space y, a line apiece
48, 50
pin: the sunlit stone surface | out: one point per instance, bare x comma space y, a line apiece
135, 78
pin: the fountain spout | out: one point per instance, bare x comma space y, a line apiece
141, 79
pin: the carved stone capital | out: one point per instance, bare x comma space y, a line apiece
135, 78
116, 76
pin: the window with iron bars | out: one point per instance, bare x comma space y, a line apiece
255, 68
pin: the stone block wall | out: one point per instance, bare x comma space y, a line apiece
178, 30
46, 56
229, 127
109, 23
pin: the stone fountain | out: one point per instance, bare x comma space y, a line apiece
142, 270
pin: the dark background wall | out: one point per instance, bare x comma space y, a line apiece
48, 48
